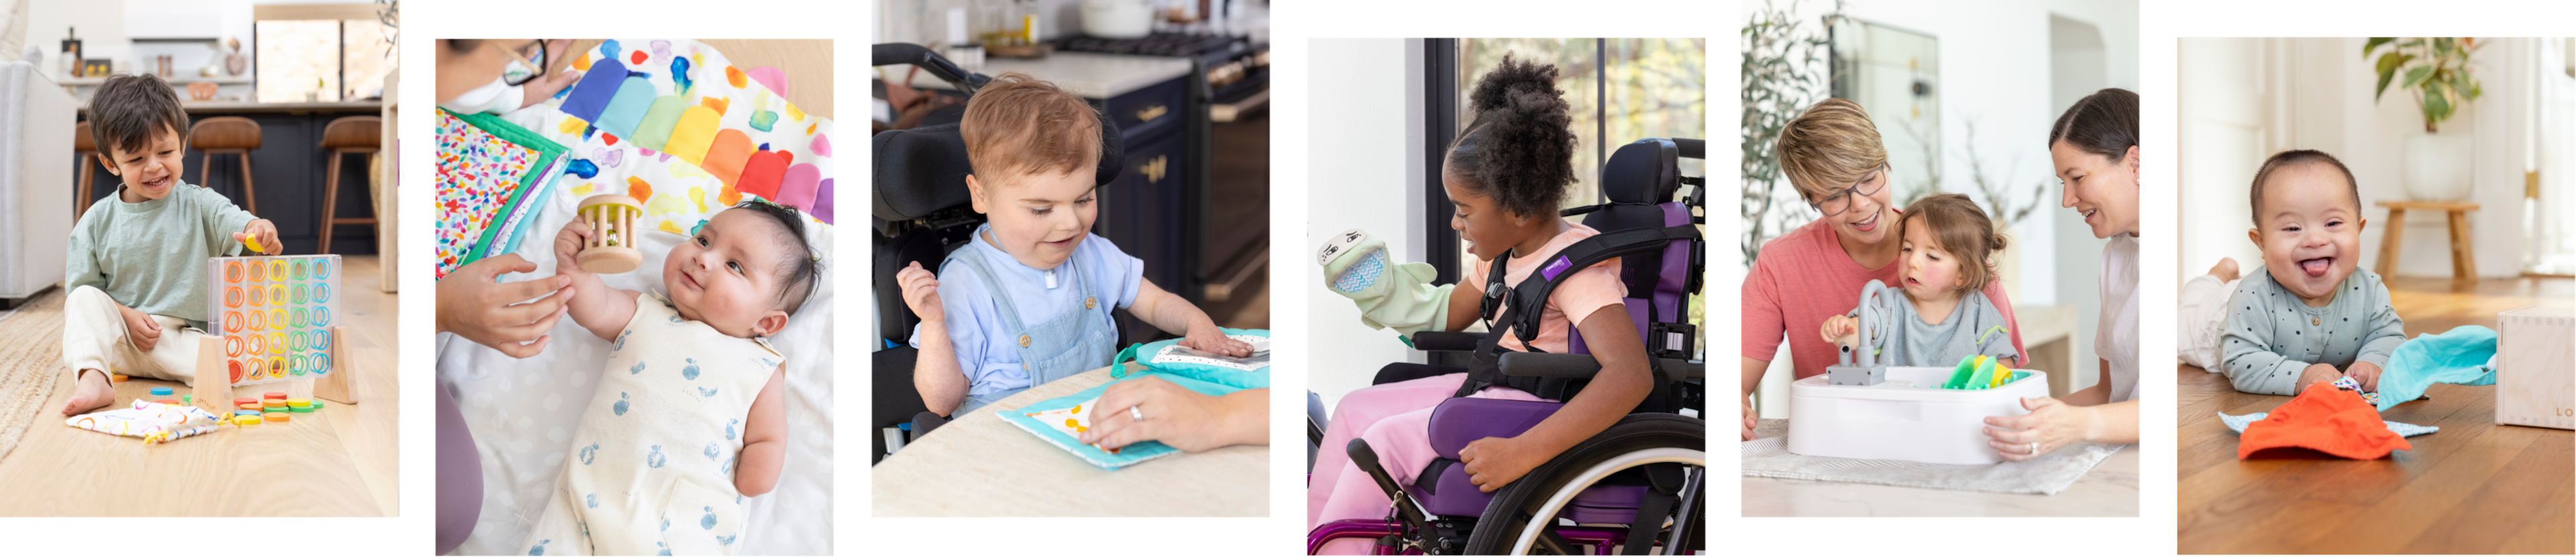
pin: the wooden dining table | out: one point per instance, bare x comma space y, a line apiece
2473, 487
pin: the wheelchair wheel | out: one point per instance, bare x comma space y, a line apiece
1507, 527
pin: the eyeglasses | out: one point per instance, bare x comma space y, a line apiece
535, 67
1841, 200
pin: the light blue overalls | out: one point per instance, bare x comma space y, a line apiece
1076, 341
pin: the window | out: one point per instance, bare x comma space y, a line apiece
331, 52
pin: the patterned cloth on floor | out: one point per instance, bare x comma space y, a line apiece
152, 421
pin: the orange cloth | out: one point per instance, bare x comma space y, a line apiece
2330, 420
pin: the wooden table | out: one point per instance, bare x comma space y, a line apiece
2473, 487
2464, 257
980, 465
2111, 489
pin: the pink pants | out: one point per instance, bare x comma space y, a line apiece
1395, 418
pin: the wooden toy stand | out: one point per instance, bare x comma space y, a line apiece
336, 386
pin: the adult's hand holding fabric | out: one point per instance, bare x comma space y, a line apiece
1389, 296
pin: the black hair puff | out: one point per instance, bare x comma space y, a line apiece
1519, 150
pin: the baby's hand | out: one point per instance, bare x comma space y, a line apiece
262, 233
568, 245
1842, 329
1208, 338
2367, 372
921, 292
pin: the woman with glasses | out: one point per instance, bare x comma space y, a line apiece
500, 75
1832, 156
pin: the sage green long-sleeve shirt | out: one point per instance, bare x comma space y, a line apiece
151, 256
2272, 336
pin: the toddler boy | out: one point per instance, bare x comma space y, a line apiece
1028, 299
136, 267
2312, 314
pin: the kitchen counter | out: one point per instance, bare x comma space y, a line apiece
238, 107
1089, 74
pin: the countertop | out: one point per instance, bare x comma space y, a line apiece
980, 465
1090, 74
2110, 489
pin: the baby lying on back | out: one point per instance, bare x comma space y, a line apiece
690, 415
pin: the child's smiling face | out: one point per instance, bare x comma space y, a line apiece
1488, 229
151, 173
1929, 272
1038, 218
730, 275
2309, 228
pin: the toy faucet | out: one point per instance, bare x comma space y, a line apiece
611, 247
1868, 370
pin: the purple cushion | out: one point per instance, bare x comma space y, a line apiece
1460, 421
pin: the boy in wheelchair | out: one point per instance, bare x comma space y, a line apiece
1507, 174
1028, 300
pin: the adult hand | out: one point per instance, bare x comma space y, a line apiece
2049, 425
492, 314
1177, 416
1750, 417
545, 87
1495, 461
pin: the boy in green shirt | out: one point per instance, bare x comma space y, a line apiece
136, 270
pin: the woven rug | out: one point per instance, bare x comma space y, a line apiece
30, 361
1769, 457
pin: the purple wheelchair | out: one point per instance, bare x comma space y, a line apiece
1635, 489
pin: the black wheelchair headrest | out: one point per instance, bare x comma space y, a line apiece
1647, 171
923, 170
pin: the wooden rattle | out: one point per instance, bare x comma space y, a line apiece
611, 246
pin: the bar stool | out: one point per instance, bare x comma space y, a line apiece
343, 137
86, 164
226, 135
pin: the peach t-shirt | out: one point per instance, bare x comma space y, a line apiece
1574, 300
1804, 277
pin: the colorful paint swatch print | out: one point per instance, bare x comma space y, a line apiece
273, 315
682, 129
477, 172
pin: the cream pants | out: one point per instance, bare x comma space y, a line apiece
95, 337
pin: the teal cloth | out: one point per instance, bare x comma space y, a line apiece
1146, 355
1127, 455
2465, 356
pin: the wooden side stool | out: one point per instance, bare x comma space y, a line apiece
342, 137
2464, 257
226, 135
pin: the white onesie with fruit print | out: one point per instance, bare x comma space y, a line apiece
653, 465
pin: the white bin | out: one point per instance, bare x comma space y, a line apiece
1898, 420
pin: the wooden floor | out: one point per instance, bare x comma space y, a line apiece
338, 461
2473, 487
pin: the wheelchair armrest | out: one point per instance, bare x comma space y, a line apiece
1532, 364
1583, 366
1447, 341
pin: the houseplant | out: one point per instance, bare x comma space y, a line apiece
2436, 71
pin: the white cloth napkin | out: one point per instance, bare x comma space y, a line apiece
1768, 457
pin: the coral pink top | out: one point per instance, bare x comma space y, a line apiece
1573, 301
1804, 277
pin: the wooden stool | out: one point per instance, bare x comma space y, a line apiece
2464, 257
86, 164
226, 135
342, 137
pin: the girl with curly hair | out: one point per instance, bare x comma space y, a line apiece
1506, 175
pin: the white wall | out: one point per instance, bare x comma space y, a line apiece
1366, 173
2245, 99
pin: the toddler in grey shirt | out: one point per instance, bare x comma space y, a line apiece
2311, 314
1943, 315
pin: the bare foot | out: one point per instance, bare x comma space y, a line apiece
92, 392
2225, 270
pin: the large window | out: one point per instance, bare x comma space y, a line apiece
1619, 90
325, 52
